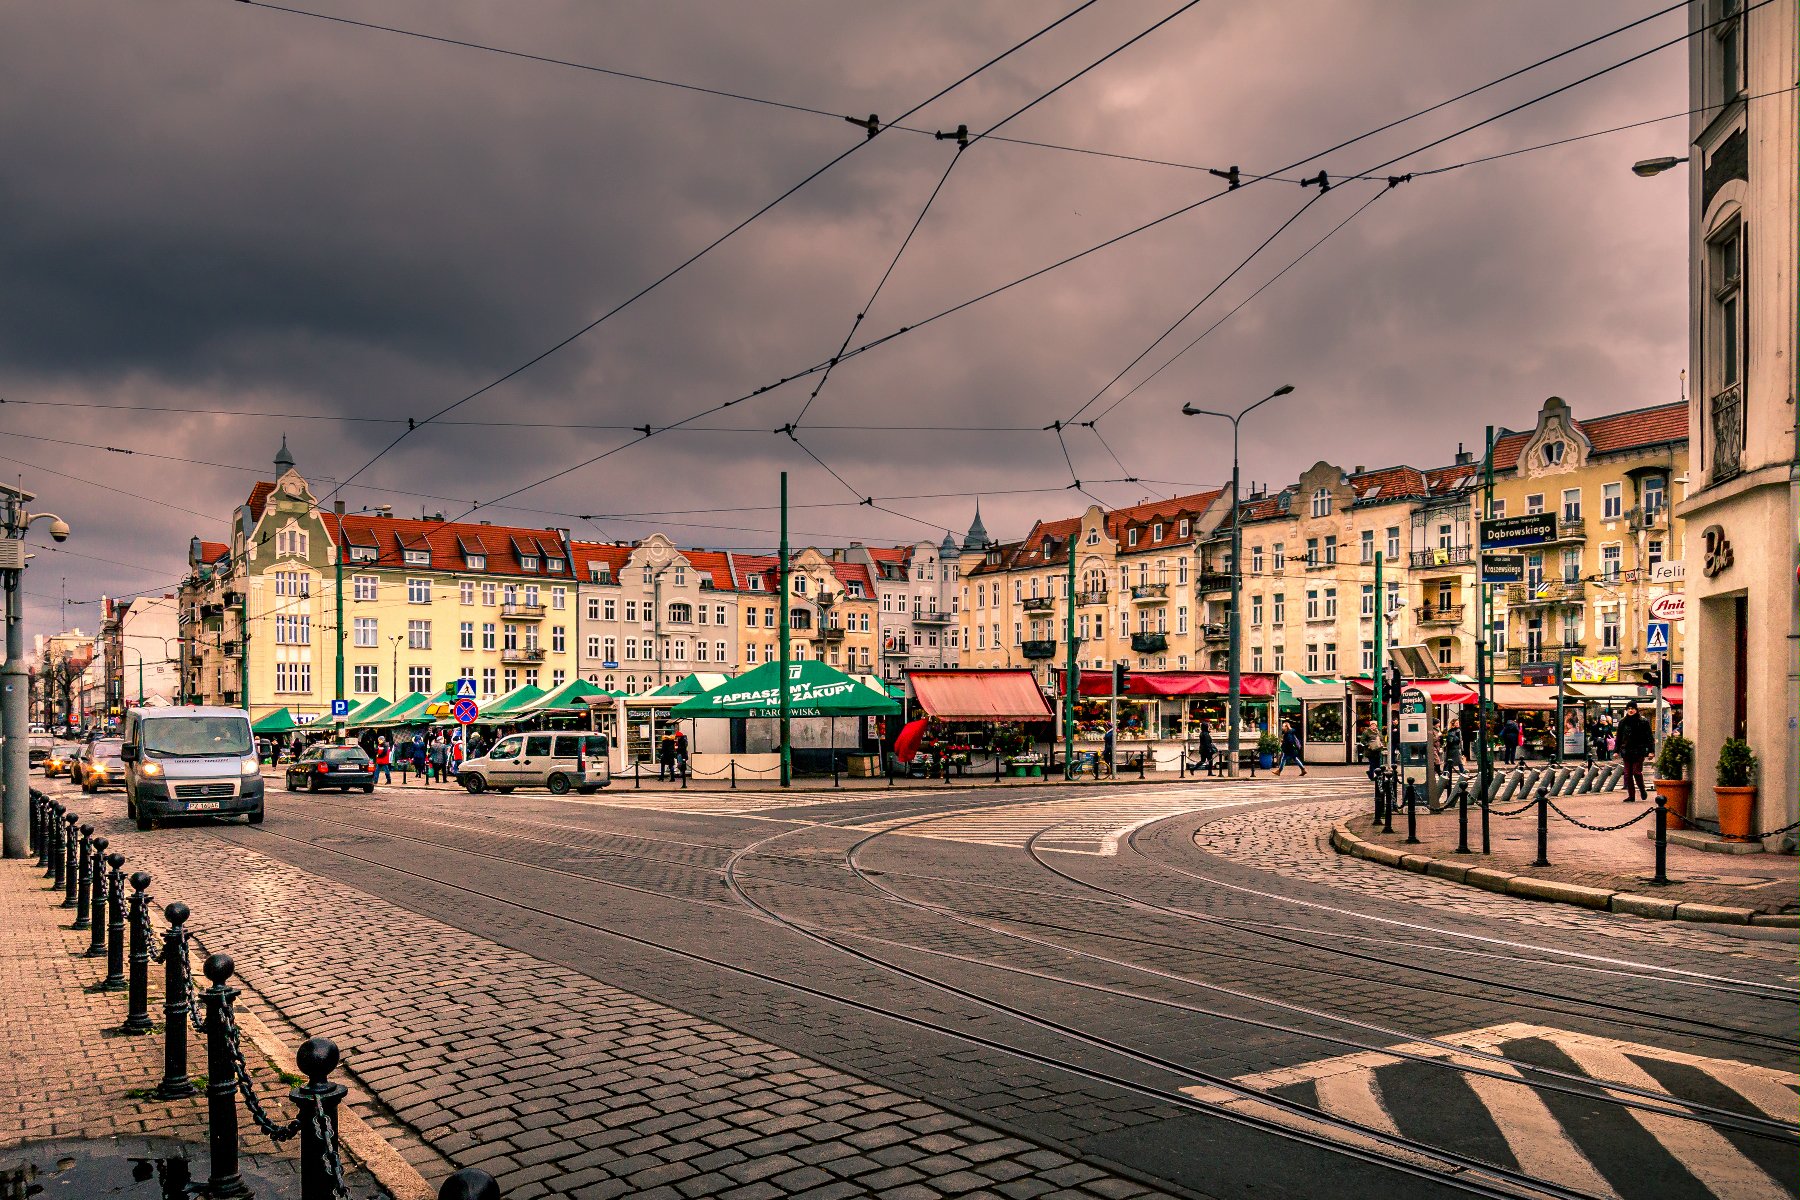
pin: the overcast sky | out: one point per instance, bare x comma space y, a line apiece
209, 205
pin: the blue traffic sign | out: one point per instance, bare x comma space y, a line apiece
465, 688
465, 711
1656, 637
340, 708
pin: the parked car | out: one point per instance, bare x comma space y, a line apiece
190, 760
37, 748
561, 762
341, 767
58, 760
98, 765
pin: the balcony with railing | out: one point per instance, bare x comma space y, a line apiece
1150, 593
1440, 614
932, 617
828, 633
522, 612
1443, 556
1220, 632
1038, 648
1571, 529
522, 654
1551, 591
1725, 424
1523, 656
1215, 581
1038, 603
1149, 643
1090, 599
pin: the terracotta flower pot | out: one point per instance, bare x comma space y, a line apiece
1736, 805
1675, 793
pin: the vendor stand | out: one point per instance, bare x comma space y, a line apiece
1164, 710
1001, 711
820, 698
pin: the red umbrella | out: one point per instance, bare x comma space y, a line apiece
907, 743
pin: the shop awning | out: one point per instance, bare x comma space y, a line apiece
1180, 683
1517, 695
1299, 689
279, 721
979, 695
815, 689
1672, 694
697, 684
1444, 691
372, 705
1608, 691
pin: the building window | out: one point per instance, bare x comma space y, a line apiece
475, 562
365, 631
1655, 496
1280, 559
1156, 532
465, 591
1534, 504
1653, 554
1256, 659
1279, 655
609, 651
465, 636
531, 594
293, 677
418, 635
1331, 658
416, 558
1367, 543
593, 646
1571, 504
681, 614
1331, 549
509, 637
487, 682
1321, 503
1609, 631
1729, 57
418, 591
558, 639
1184, 527
1610, 561
418, 679
1393, 543
1368, 601
1571, 565
593, 608
1368, 656
292, 542
1331, 602
1312, 658
1725, 334
489, 594
363, 587
1278, 608
1312, 604
1612, 501
1256, 610
487, 635
1256, 560
366, 680
631, 649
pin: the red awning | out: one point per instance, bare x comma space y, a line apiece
1180, 683
1438, 691
1672, 694
979, 695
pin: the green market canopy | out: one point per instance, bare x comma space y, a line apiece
394, 714
815, 689
507, 707
279, 721
567, 698
373, 705
697, 684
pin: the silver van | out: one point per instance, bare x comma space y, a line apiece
190, 760
562, 762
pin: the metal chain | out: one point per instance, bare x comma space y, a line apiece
149, 928
277, 1133
187, 982
1601, 828
1511, 812
328, 1144
1712, 827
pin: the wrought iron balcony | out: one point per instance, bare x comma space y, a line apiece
1149, 643
1216, 633
523, 654
1038, 603
1150, 593
932, 617
1215, 581
522, 612
1725, 422
1089, 599
1443, 556
1522, 656
828, 633
1551, 591
1440, 614
1038, 649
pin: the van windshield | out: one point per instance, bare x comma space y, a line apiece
196, 737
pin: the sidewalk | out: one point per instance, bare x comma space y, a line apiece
1609, 870
74, 1098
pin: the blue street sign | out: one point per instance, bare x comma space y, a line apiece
465, 688
1656, 637
340, 708
1503, 568
1499, 533
610, 666
465, 710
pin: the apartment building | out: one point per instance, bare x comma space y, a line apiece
426, 601
918, 592
140, 645
1610, 483
832, 613
652, 613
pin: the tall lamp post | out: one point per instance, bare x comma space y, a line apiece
1235, 719
15, 812
396, 640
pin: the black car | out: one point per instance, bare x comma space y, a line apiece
342, 767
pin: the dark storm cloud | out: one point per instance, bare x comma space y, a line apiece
209, 206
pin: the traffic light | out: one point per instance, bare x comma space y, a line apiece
1118, 679
1661, 675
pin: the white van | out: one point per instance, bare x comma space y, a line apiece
190, 760
562, 762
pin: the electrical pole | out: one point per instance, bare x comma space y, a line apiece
1380, 656
338, 557
16, 805
1483, 652
787, 753
1072, 674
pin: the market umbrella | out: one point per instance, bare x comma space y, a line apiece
815, 689
568, 697
508, 707
279, 721
907, 744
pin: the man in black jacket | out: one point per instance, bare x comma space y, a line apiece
1633, 741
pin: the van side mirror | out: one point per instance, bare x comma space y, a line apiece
128, 753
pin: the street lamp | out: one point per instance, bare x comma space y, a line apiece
14, 676
1647, 167
1235, 710
396, 640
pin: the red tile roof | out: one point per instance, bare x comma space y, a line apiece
259, 496
1387, 485
1610, 434
450, 544
212, 552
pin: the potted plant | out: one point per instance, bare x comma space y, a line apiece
1267, 747
1672, 783
1736, 790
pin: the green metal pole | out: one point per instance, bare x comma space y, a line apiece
1380, 653
244, 641
1071, 673
787, 751
1483, 653
140, 679
342, 541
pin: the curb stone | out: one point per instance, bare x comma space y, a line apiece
1533, 888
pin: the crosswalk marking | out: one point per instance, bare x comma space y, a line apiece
1349, 1087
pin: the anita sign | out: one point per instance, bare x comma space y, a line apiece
1669, 608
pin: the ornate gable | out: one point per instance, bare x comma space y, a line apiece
1558, 446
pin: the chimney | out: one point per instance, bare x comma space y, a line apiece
1358, 470
1463, 457
385, 510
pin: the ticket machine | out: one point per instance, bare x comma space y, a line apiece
1418, 734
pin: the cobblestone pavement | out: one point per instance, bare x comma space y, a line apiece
1617, 860
1291, 843
67, 1073
1036, 972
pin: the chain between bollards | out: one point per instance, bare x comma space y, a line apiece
97, 906
175, 1081
137, 1002
321, 1165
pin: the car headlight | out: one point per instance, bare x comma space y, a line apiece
150, 770
248, 767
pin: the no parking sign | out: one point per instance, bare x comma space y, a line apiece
465, 711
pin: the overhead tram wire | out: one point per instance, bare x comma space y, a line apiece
411, 426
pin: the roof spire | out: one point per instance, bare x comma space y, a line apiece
977, 540
284, 462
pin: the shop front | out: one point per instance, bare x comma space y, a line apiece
1164, 711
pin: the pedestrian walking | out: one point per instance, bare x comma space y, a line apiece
1635, 740
1509, 741
1107, 746
1292, 753
665, 755
1372, 747
681, 752
384, 762
439, 757
1207, 749
1453, 748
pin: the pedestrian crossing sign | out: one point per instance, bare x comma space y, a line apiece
1656, 637
465, 688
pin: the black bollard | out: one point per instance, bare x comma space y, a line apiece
1412, 813
137, 996
1543, 822
1661, 878
1387, 791
59, 868
97, 907
637, 774
53, 864
221, 1083
318, 1099
1380, 796
470, 1183
71, 859
84, 866
115, 924
38, 803
1462, 817
175, 1082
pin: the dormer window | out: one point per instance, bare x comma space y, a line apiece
528, 562
477, 562
1131, 536
855, 588
1156, 532
1553, 454
362, 554
554, 565
756, 583
1321, 503
1093, 537
600, 572
417, 558
1183, 529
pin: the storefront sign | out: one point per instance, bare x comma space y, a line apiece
1671, 608
1718, 550
1668, 572
1603, 669
1503, 568
1531, 529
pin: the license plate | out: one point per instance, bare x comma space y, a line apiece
203, 806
